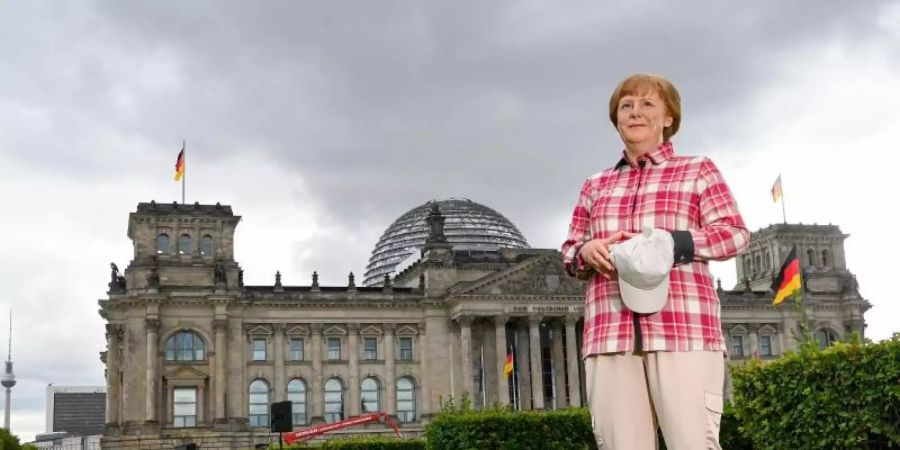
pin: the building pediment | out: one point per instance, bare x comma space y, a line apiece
334, 330
407, 330
185, 373
297, 330
538, 275
371, 330
259, 330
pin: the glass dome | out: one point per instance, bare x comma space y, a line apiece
468, 226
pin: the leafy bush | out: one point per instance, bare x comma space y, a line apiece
362, 443
844, 397
502, 428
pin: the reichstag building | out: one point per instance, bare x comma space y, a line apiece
196, 356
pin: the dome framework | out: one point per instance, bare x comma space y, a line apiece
469, 226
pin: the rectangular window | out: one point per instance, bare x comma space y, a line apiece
737, 346
259, 349
370, 348
765, 345
406, 349
296, 349
334, 349
184, 402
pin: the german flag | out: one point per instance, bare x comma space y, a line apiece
508, 367
788, 281
776, 190
179, 165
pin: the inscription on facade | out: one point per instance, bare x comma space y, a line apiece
523, 309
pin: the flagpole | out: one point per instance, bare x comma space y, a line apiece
184, 174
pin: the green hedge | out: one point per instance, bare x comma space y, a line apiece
361, 443
844, 397
502, 429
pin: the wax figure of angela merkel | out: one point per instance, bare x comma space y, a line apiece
642, 234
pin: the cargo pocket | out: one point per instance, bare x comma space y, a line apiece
713, 420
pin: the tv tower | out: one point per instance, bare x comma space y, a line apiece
8, 380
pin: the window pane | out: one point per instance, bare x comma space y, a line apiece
184, 245
184, 395
334, 348
259, 349
162, 243
765, 343
183, 409
190, 421
206, 246
178, 422
406, 349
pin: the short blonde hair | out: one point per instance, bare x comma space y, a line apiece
643, 84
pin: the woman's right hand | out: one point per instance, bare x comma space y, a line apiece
595, 253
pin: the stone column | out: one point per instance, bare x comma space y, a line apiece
559, 366
572, 361
317, 389
152, 383
353, 396
754, 339
170, 405
278, 342
465, 338
501, 350
423, 403
221, 328
112, 374
201, 397
537, 380
523, 384
389, 361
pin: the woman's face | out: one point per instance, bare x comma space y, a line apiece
642, 118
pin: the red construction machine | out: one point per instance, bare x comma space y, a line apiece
318, 430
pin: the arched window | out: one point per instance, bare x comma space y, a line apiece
767, 260
370, 398
184, 244
824, 258
747, 267
259, 403
406, 400
811, 258
825, 337
297, 396
334, 400
185, 346
206, 245
162, 243
758, 266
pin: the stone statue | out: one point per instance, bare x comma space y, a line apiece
117, 281
153, 277
351, 280
315, 279
219, 273
241, 278
435, 222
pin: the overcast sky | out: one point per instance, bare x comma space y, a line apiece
322, 122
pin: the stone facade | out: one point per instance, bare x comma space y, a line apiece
195, 356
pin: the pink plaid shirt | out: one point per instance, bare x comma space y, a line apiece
673, 193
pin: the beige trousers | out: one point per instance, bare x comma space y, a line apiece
629, 394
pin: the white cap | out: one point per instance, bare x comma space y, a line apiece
643, 263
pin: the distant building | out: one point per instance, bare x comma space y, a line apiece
195, 356
75, 418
